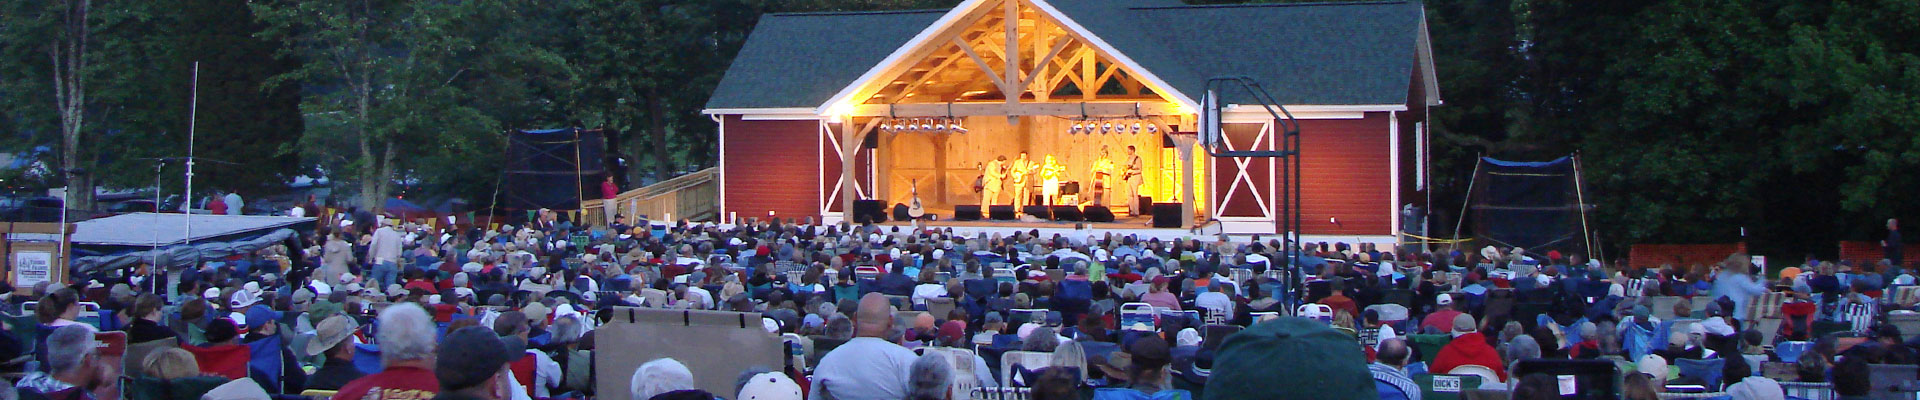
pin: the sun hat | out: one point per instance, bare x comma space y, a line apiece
329, 333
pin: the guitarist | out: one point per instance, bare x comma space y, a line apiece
990, 181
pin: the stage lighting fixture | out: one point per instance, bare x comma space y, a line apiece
954, 126
1153, 128
913, 125
1136, 127
1106, 128
926, 126
1076, 128
897, 127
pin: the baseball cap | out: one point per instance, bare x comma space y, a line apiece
1443, 299
242, 299
1243, 365
1463, 324
260, 315
468, 357
770, 386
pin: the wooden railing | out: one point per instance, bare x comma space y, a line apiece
692, 196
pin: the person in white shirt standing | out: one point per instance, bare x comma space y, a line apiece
235, 204
385, 252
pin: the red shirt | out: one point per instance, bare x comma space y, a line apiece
423, 285
608, 190
395, 383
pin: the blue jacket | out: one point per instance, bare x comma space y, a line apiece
1130, 394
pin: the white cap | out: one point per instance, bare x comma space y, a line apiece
242, 299
252, 288
1443, 299
321, 288
210, 294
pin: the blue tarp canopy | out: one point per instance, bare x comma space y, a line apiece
125, 239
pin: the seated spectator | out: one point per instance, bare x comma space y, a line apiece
471, 365
73, 369
868, 366
1655, 368
1389, 371
407, 346
1640, 386
146, 326
1146, 374
1468, 347
333, 340
1441, 319
931, 375
1243, 365
665, 379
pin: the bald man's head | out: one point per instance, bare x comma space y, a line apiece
1394, 352
874, 317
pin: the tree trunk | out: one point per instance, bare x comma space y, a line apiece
69, 91
657, 127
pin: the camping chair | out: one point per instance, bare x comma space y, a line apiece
317, 394
1138, 317
1445, 387
1809, 390
940, 306
132, 363
1488, 378
1909, 324
1790, 351
1892, 381
1429, 345
1663, 307
366, 358
1707, 371
862, 273
1012, 362
1798, 320
1636, 288
1859, 316
228, 361
1216, 316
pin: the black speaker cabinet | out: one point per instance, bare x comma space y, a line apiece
865, 211
1001, 212
966, 213
1166, 215
1068, 213
1037, 211
1098, 214
1142, 206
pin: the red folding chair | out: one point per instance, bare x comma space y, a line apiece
228, 361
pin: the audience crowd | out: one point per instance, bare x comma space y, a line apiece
378, 309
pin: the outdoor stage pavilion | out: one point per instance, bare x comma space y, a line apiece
822, 109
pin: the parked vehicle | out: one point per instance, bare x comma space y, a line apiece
30, 209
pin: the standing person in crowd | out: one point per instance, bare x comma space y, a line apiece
1736, 281
384, 250
868, 366
336, 256
407, 346
471, 365
1892, 245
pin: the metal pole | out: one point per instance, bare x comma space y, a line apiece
1462, 218
1580, 195
193, 111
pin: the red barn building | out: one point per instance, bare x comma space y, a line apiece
821, 109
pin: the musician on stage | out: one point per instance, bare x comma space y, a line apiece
1133, 175
991, 179
1050, 174
1102, 175
1017, 176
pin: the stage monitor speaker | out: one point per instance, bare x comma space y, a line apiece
865, 211
1000, 212
871, 141
1037, 211
1166, 215
1098, 214
900, 212
966, 213
1067, 213
1166, 141
1142, 206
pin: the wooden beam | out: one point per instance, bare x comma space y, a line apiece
1012, 55
1040, 66
949, 61
983, 66
1107, 109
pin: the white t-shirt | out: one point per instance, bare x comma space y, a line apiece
1214, 301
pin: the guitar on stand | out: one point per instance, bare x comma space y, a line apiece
914, 209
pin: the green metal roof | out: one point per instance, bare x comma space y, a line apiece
1361, 53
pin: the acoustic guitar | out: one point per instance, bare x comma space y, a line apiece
914, 209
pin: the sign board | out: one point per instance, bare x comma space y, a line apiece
694, 337
1446, 384
1761, 262
31, 268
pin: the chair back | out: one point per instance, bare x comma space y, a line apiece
865, 272
1893, 381
1809, 390
940, 306
1860, 316
228, 361
133, 364
1138, 317
1013, 361
317, 394
1708, 371
1445, 387
1487, 376
366, 358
